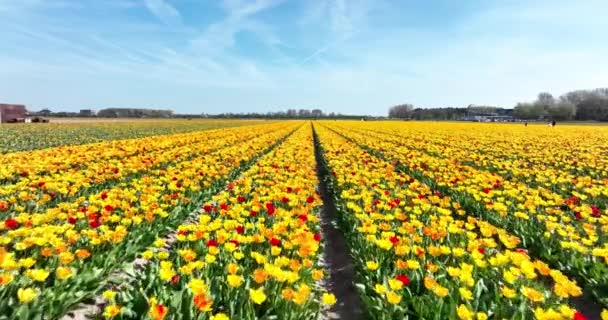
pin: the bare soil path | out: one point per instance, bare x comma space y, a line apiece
337, 254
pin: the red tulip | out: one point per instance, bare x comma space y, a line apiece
11, 224
275, 242
240, 229
404, 279
270, 208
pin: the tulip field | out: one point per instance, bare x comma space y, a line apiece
235, 220
19, 138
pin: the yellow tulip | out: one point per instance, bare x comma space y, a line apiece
26, 295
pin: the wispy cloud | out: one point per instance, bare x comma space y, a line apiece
221, 35
164, 11
317, 53
340, 17
344, 19
241, 9
341, 20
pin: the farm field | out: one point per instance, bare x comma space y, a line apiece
241, 220
60, 132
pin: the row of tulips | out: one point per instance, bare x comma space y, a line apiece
253, 253
583, 176
40, 136
415, 248
34, 165
117, 164
550, 187
573, 149
164, 178
571, 235
51, 261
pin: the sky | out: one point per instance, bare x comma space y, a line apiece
343, 56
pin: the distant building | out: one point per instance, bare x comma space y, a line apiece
488, 114
86, 113
493, 118
12, 113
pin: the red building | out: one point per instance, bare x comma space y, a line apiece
12, 112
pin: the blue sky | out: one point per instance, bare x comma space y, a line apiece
347, 56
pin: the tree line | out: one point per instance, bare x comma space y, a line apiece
108, 113
408, 111
574, 105
151, 113
288, 114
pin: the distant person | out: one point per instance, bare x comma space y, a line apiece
526, 123
553, 123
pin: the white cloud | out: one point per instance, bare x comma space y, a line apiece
341, 19
164, 11
221, 35
241, 9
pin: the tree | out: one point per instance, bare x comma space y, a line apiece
401, 111
304, 113
522, 110
563, 110
593, 108
601, 92
546, 100
481, 110
576, 97
45, 112
578, 104
317, 113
